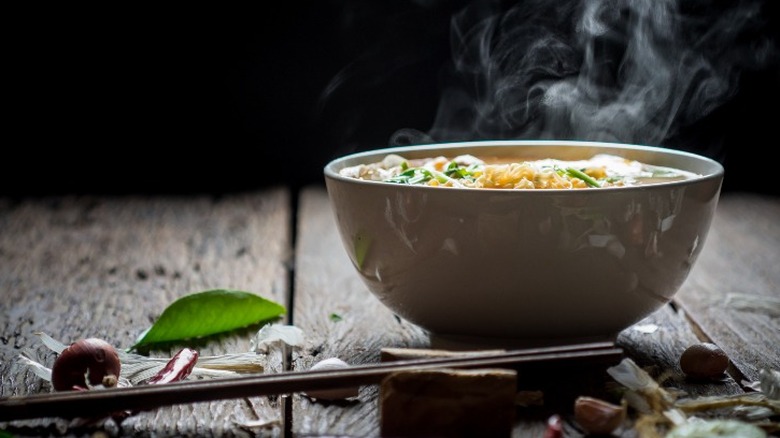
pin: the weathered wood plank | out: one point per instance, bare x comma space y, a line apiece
77, 267
658, 341
326, 283
733, 291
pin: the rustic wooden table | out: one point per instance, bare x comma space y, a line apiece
75, 267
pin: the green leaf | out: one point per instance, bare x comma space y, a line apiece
207, 313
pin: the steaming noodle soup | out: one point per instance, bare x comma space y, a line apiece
468, 171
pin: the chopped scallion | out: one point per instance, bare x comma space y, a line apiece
576, 173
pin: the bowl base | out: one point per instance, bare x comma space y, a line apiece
467, 343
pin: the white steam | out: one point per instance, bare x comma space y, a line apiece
615, 70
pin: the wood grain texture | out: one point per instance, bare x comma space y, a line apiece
656, 344
77, 267
733, 291
326, 283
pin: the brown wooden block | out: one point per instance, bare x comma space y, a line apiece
448, 403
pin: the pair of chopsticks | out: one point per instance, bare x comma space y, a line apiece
104, 402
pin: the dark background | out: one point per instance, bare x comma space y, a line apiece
178, 101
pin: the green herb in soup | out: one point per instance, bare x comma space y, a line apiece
468, 171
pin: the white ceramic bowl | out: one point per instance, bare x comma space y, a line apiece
498, 266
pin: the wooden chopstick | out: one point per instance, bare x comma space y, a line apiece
100, 403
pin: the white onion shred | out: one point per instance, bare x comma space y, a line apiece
273, 333
38, 369
51, 343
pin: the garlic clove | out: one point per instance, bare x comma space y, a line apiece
597, 416
332, 363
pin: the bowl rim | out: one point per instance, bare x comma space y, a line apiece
331, 173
